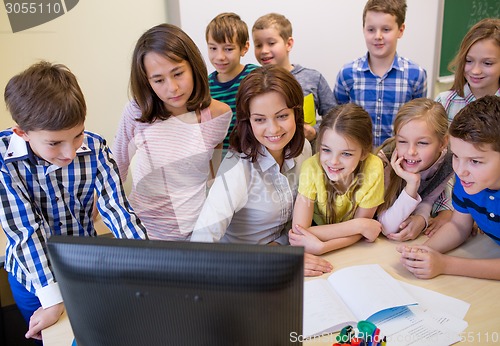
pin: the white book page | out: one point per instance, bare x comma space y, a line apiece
368, 289
428, 299
411, 325
324, 310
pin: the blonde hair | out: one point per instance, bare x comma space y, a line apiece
434, 114
353, 122
488, 28
277, 21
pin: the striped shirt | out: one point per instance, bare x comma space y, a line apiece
226, 92
482, 206
453, 103
382, 96
171, 168
40, 200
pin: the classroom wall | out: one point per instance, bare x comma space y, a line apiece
327, 33
95, 40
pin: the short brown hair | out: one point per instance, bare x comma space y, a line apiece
478, 123
172, 43
258, 82
276, 20
396, 8
227, 27
488, 28
45, 97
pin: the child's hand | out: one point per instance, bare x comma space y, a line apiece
422, 261
409, 229
315, 266
369, 228
43, 318
309, 132
299, 236
412, 179
437, 222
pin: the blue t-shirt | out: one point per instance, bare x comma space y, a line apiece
484, 207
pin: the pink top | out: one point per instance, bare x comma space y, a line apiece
170, 169
405, 205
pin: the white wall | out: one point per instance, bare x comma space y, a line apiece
327, 33
95, 40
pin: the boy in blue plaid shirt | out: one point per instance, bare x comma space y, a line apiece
51, 170
381, 81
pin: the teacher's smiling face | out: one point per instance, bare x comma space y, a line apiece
273, 123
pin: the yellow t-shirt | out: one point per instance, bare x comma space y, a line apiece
370, 194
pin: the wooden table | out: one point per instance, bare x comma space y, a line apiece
483, 295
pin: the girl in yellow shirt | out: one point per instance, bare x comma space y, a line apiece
341, 186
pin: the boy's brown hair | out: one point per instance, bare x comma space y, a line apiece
45, 97
478, 123
276, 20
228, 27
396, 8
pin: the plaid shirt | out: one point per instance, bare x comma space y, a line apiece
382, 96
40, 199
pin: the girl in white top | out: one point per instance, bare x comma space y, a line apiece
172, 126
252, 197
417, 168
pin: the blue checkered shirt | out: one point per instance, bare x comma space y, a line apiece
382, 96
40, 199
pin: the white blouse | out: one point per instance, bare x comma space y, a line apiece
250, 202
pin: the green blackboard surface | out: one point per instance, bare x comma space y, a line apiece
459, 17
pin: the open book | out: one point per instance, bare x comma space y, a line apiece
348, 296
367, 292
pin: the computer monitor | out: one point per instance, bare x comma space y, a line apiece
133, 292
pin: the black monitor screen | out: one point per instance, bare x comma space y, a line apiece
132, 292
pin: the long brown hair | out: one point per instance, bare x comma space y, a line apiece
353, 122
434, 114
261, 81
488, 28
172, 43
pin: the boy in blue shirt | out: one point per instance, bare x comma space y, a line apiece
381, 81
227, 41
475, 143
273, 41
51, 170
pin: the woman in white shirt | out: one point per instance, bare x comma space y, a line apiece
251, 200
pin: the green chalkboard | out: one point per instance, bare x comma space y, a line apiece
459, 17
